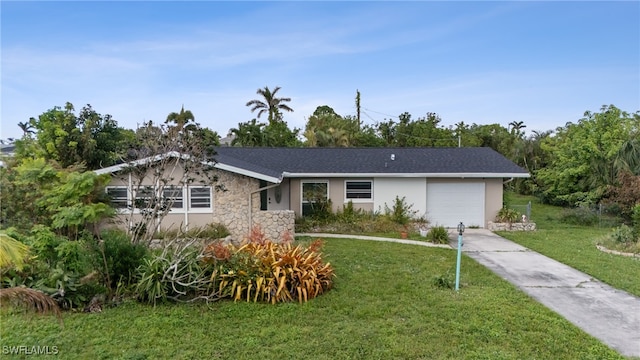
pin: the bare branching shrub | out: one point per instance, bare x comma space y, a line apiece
165, 160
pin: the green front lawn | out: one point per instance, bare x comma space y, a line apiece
384, 306
575, 246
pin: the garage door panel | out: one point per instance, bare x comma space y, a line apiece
449, 203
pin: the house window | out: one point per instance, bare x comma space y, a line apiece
144, 197
314, 197
200, 197
174, 195
119, 196
358, 190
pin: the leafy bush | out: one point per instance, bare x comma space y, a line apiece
581, 215
635, 220
438, 235
56, 266
122, 257
623, 234
401, 212
507, 215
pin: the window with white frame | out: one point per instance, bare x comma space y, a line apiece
314, 196
358, 190
143, 197
174, 195
119, 196
200, 197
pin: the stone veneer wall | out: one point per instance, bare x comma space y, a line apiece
231, 208
275, 223
528, 226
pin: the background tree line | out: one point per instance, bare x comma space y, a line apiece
586, 162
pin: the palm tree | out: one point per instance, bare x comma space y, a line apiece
628, 157
516, 126
270, 104
181, 119
26, 128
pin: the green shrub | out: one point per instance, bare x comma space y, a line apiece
349, 214
623, 234
507, 215
56, 266
210, 231
122, 257
401, 212
635, 220
438, 235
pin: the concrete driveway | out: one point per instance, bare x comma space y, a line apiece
608, 314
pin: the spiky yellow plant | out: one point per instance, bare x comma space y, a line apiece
274, 272
12, 252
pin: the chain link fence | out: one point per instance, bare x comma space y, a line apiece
523, 210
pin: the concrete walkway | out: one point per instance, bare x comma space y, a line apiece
608, 314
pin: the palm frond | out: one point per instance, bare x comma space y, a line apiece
30, 299
12, 252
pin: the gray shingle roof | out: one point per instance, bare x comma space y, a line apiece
300, 161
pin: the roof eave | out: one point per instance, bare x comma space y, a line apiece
408, 175
248, 173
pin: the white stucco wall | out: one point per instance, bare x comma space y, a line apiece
413, 189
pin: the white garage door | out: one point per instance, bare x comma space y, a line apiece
449, 203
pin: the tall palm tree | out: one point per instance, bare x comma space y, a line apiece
270, 104
181, 119
516, 126
26, 128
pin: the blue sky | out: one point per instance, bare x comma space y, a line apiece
544, 63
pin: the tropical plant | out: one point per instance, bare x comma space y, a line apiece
587, 157
507, 215
12, 252
276, 134
184, 120
623, 234
121, 258
270, 104
270, 272
438, 235
516, 127
30, 299
401, 212
27, 128
176, 274
87, 138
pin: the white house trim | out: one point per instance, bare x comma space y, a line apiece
406, 175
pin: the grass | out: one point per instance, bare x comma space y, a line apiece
575, 246
384, 305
